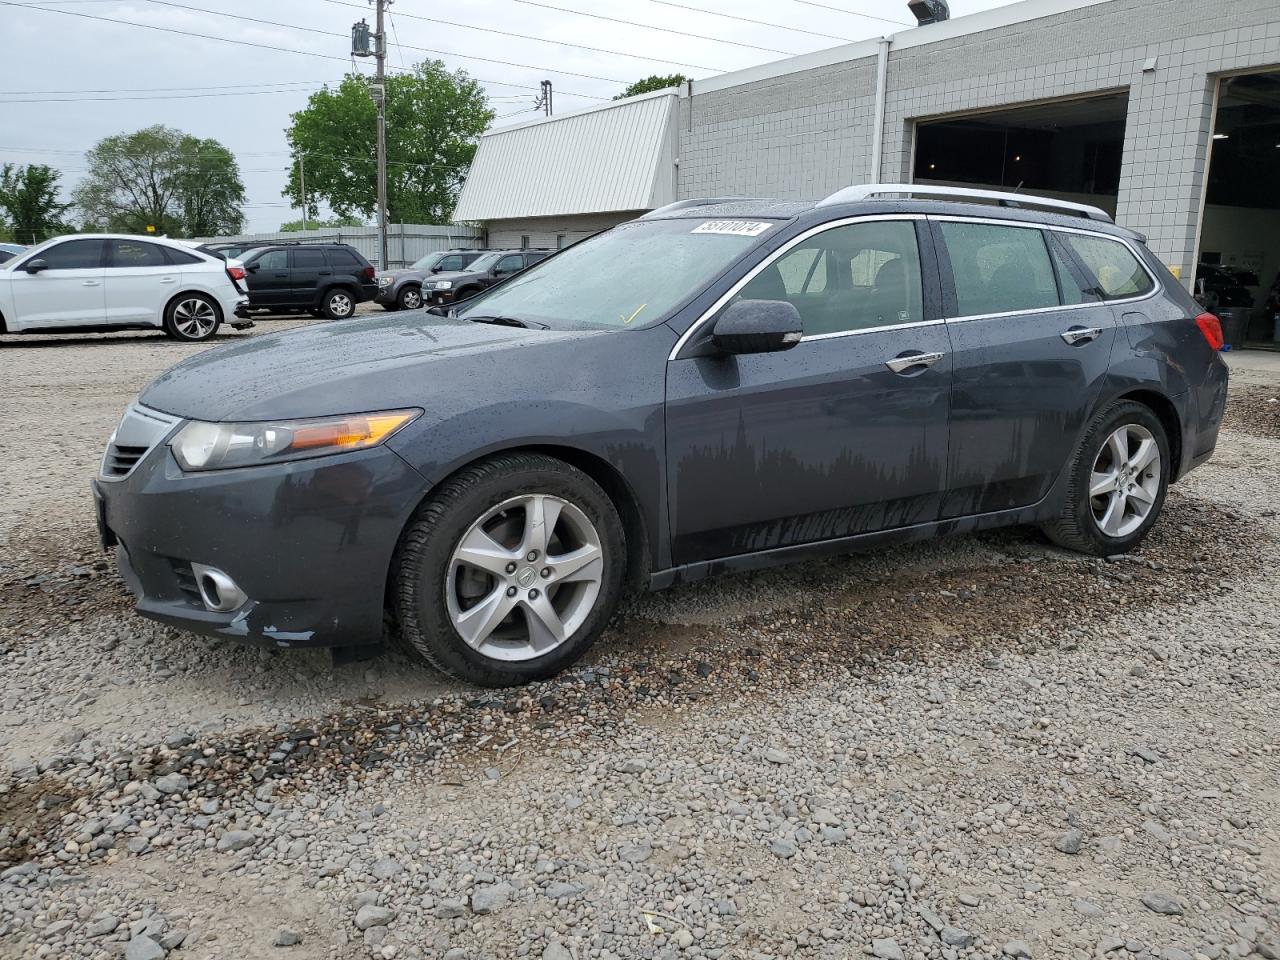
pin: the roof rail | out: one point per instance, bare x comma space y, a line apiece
689, 204
869, 190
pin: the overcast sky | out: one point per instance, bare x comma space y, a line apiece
246, 94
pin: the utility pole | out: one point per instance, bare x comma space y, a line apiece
360, 48
380, 41
302, 181
544, 101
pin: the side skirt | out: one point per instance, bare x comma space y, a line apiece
1035, 513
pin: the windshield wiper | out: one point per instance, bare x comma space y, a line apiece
507, 322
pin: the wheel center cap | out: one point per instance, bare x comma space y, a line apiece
526, 576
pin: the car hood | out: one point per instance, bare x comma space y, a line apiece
369, 363
400, 273
456, 274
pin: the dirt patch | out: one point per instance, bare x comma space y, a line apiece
29, 811
1253, 410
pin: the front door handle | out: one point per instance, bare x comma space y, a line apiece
1076, 335
905, 361
91, 283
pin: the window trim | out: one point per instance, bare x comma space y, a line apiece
1156, 287
704, 318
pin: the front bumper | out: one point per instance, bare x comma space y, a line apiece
310, 543
437, 297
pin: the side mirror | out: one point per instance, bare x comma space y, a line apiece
758, 326
253, 267
35, 266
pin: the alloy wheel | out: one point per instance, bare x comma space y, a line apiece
1125, 481
341, 304
411, 299
194, 318
524, 577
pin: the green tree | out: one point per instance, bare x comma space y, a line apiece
434, 117
293, 226
652, 83
29, 203
163, 178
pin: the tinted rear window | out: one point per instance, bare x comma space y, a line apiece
343, 258
179, 256
303, 257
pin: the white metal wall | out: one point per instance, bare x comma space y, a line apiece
544, 231
406, 242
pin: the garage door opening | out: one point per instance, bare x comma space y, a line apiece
1238, 268
1069, 149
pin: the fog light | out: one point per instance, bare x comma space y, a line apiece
218, 591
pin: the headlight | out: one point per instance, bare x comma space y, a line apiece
221, 446
443, 284
384, 281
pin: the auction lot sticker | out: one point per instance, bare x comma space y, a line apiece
734, 228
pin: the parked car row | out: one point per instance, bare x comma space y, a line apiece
120, 282
449, 276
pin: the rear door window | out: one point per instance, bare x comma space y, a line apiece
999, 269
1113, 265
135, 253
304, 258
452, 262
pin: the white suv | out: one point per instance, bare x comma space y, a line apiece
93, 282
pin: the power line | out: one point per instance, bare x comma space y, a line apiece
758, 23
224, 86
521, 36
405, 46
649, 26
163, 96
250, 43
853, 13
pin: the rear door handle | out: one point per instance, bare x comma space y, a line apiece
905, 361
91, 283
326, 273
1076, 335
168, 279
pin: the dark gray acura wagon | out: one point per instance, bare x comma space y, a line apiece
718, 385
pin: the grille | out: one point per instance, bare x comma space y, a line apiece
140, 430
121, 459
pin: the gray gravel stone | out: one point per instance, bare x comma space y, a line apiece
1069, 842
286, 937
1158, 902
143, 948
371, 915
886, 949
491, 898
234, 840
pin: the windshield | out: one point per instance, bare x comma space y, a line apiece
427, 262
631, 275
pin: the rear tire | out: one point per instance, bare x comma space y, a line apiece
1117, 482
338, 304
464, 567
192, 318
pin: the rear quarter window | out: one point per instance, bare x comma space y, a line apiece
1112, 264
343, 258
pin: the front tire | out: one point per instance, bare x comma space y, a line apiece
338, 304
1117, 484
192, 318
510, 572
410, 298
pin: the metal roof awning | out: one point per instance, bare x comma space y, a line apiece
615, 157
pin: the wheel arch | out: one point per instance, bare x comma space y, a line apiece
192, 291
605, 474
328, 288
1167, 414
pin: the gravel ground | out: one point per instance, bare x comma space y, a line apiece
977, 747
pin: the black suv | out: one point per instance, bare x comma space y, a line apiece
481, 274
328, 279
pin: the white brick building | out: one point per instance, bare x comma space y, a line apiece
1117, 101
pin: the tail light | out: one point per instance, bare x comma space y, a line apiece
235, 273
370, 273
1212, 330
